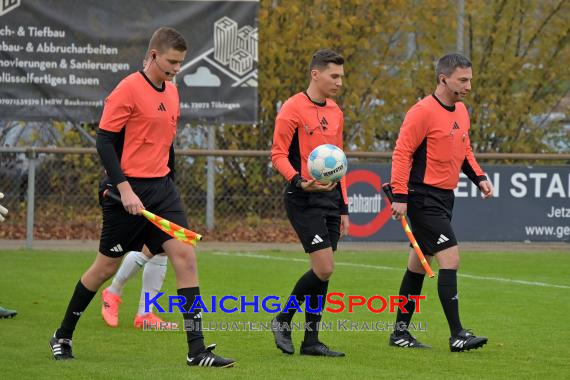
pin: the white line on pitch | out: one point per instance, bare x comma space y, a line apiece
358, 265
522, 282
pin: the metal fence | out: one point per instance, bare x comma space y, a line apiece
52, 194
229, 195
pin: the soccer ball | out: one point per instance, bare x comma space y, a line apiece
327, 163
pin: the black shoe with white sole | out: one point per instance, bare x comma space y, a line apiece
60, 348
208, 359
465, 341
406, 340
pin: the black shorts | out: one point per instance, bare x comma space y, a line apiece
123, 232
430, 211
315, 217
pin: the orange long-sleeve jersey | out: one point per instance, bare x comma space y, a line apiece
433, 147
300, 127
147, 116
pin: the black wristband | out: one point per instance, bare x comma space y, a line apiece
297, 180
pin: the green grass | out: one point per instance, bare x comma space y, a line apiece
527, 324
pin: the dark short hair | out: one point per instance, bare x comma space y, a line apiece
449, 63
165, 38
323, 57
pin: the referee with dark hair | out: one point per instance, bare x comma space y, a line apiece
318, 212
432, 148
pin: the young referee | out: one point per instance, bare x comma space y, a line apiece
432, 148
318, 212
135, 143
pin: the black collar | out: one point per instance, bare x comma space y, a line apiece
447, 108
159, 89
315, 103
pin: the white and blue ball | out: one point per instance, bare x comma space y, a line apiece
327, 163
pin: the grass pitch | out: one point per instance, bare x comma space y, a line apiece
519, 300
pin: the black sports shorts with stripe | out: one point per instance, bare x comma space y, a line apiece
430, 211
123, 232
315, 217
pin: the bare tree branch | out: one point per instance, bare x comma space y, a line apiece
541, 27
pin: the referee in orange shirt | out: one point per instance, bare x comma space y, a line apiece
135, 143
432, 148
317, 212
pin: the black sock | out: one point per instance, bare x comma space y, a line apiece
304, 286
313, 319
192, 321
411, 286
447, 290
77, 304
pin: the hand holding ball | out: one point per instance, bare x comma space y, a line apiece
327, 163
